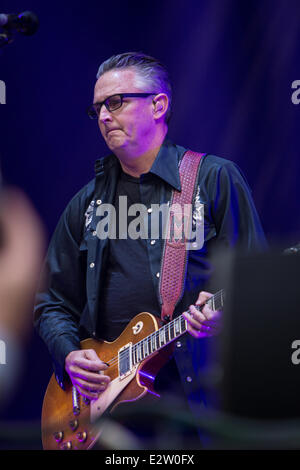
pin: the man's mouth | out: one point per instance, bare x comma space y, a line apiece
112, 130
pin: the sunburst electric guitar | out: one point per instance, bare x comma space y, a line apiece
134, 358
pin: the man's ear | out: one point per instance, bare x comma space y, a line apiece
160, 105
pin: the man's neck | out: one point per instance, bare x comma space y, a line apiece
136, 165
141, 164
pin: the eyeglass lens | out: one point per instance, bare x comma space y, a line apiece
113, 103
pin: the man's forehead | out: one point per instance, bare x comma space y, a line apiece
116, 81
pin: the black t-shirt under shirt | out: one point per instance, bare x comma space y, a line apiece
128, 288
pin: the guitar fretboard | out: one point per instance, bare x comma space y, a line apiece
170, 331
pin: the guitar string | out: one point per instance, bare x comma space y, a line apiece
216, 297
155, 335
162, 330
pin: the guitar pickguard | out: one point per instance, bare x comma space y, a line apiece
106, 398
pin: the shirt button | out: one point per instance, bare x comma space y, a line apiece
98, 202
157, 274
189, 379
149, 210
92, 265
178, 344
94, 233
152, 242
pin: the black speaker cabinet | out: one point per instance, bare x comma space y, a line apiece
260, 344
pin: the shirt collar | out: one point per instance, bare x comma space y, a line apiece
166, 163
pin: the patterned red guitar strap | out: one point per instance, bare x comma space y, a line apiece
175, 253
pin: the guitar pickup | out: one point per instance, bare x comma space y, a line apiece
125, 360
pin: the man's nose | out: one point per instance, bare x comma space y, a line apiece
104, 114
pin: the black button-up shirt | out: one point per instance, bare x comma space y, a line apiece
67, 308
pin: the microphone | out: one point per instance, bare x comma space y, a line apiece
25, 23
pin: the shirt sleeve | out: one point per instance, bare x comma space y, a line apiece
62, 296
232, 210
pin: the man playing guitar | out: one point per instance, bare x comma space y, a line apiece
96, 284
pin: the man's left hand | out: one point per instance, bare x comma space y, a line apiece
206, 322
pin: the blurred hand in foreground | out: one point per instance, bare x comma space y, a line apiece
21, 254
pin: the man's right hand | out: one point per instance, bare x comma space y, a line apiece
86, 372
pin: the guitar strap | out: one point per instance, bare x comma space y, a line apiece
175, 252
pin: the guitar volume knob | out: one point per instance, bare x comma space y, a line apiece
66, 445
74, 424
58, 436
81, 436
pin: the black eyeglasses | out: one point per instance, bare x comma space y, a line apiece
112, 103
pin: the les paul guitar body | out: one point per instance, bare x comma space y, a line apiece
134, 358
68, 422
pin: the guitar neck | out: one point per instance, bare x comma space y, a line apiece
170, 332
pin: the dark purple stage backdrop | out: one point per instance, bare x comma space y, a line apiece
233, 64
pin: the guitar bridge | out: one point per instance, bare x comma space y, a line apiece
125, 361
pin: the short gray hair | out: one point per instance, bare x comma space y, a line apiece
148, 68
